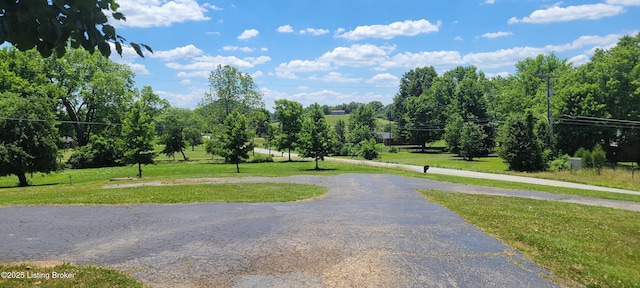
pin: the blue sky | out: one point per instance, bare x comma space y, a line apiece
336, 51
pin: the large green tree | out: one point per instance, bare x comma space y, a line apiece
234, 141
51, 26
232, 90
138, 134
28, 136
289, 114
92, 91
315, 137
412, 84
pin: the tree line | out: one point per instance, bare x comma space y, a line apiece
595, 104
81, 97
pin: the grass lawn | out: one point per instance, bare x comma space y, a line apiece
621, 178
85, 186
79, 185
83, 276
333, 119
593, 246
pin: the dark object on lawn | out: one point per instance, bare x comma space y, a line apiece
426, 167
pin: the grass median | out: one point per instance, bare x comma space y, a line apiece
591, 246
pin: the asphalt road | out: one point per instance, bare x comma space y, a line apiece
367, 231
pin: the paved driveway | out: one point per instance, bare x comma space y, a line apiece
368, 231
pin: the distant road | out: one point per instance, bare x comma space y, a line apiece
469, 174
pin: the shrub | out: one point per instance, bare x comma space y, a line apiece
560, 163
260, 159
599, 156
100, 152
393, 149
368, 149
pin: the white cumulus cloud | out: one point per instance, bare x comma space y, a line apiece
335, 77
236, 48
384, 80
285, 29
405, 28
314, 31
570, 13
624, 2
248, 34
177, 53
152, 13
497, 34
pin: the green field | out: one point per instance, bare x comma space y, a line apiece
582, 245
333, 119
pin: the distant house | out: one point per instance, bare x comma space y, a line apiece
385, 138
338, 112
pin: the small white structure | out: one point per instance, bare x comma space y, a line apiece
576, 163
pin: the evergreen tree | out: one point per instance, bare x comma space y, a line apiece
520, 147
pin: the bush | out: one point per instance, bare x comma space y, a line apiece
100, 152
588, 157
599, 157
560, 163
259, 158
393, 149
368, 149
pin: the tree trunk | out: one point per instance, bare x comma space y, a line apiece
80, 135
139, 170
317, 164
23, 179
237, 168
193, 148
289, 154
424, 146
183, 156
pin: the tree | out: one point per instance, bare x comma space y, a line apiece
152, 102
53, 25
363, 116
91, 88
340, 131
423, 124
452, 133
412, 84
289, 113
173, 142
234, 139
231, 90
315, 138
28, 136
519, 146
193, 136
138, 134
471, 141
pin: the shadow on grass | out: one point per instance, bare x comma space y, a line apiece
31, 185
319, 169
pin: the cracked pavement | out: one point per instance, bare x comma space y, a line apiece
367, 231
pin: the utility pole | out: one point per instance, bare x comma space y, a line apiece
549, 92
